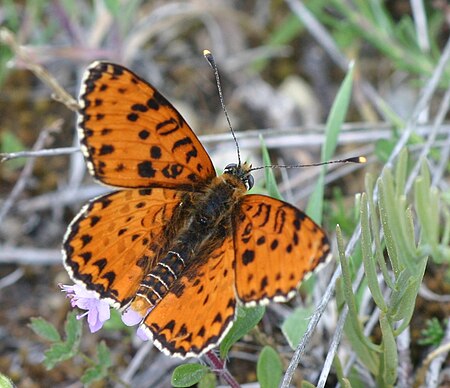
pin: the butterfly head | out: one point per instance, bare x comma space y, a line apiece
242, 172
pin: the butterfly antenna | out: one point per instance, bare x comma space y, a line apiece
210, 58
357, 159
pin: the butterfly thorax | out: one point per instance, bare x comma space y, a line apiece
197, 228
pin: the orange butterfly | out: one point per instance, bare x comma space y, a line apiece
179, 245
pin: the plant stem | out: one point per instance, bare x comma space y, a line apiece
218, 367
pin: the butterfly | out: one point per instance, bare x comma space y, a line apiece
176, 243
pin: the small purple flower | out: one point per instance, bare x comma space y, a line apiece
131, 318
97, 310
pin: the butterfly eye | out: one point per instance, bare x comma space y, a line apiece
249, 181
230, 168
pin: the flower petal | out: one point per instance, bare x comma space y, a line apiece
131, 317
142, 334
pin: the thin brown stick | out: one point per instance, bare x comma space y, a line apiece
59, 93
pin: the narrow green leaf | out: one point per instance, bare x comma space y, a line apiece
407, 303
269, 368
338, 367
375, 226
390, 356
391, 247
401, 168
395, 216
188, 374
402, 283
369, 261
337, 115
294, 326
350, 296
345, 383
427, 207
368, 357
333, 128
247, 319
44, 329
271, 183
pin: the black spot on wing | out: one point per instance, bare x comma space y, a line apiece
248, 256
146, 170
106, 149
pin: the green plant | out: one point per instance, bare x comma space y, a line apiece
433, 332
399, 260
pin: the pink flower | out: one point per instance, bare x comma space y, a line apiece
97, 309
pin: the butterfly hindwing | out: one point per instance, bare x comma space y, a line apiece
276, 245
108, 246
133, 137
199, 308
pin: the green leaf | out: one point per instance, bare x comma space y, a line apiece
247, 319
407, 303
294, 326
188, 374
333, 128
58, 352
389, 354
271, 183
73, 328
103, 355
368, 259
208, 381
367, 356
100, 370
92, 374
61, 351
9, 142
6, 382
44, 329
269, 368
433, 334
113, 6
384, 148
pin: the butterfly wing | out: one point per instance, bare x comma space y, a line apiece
276, 245
199, 308
108, 246
131, 136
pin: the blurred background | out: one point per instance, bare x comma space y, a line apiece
281, 65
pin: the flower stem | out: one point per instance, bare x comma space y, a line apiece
218, 367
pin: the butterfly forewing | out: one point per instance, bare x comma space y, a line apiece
132, 136
111, 244
276, 245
